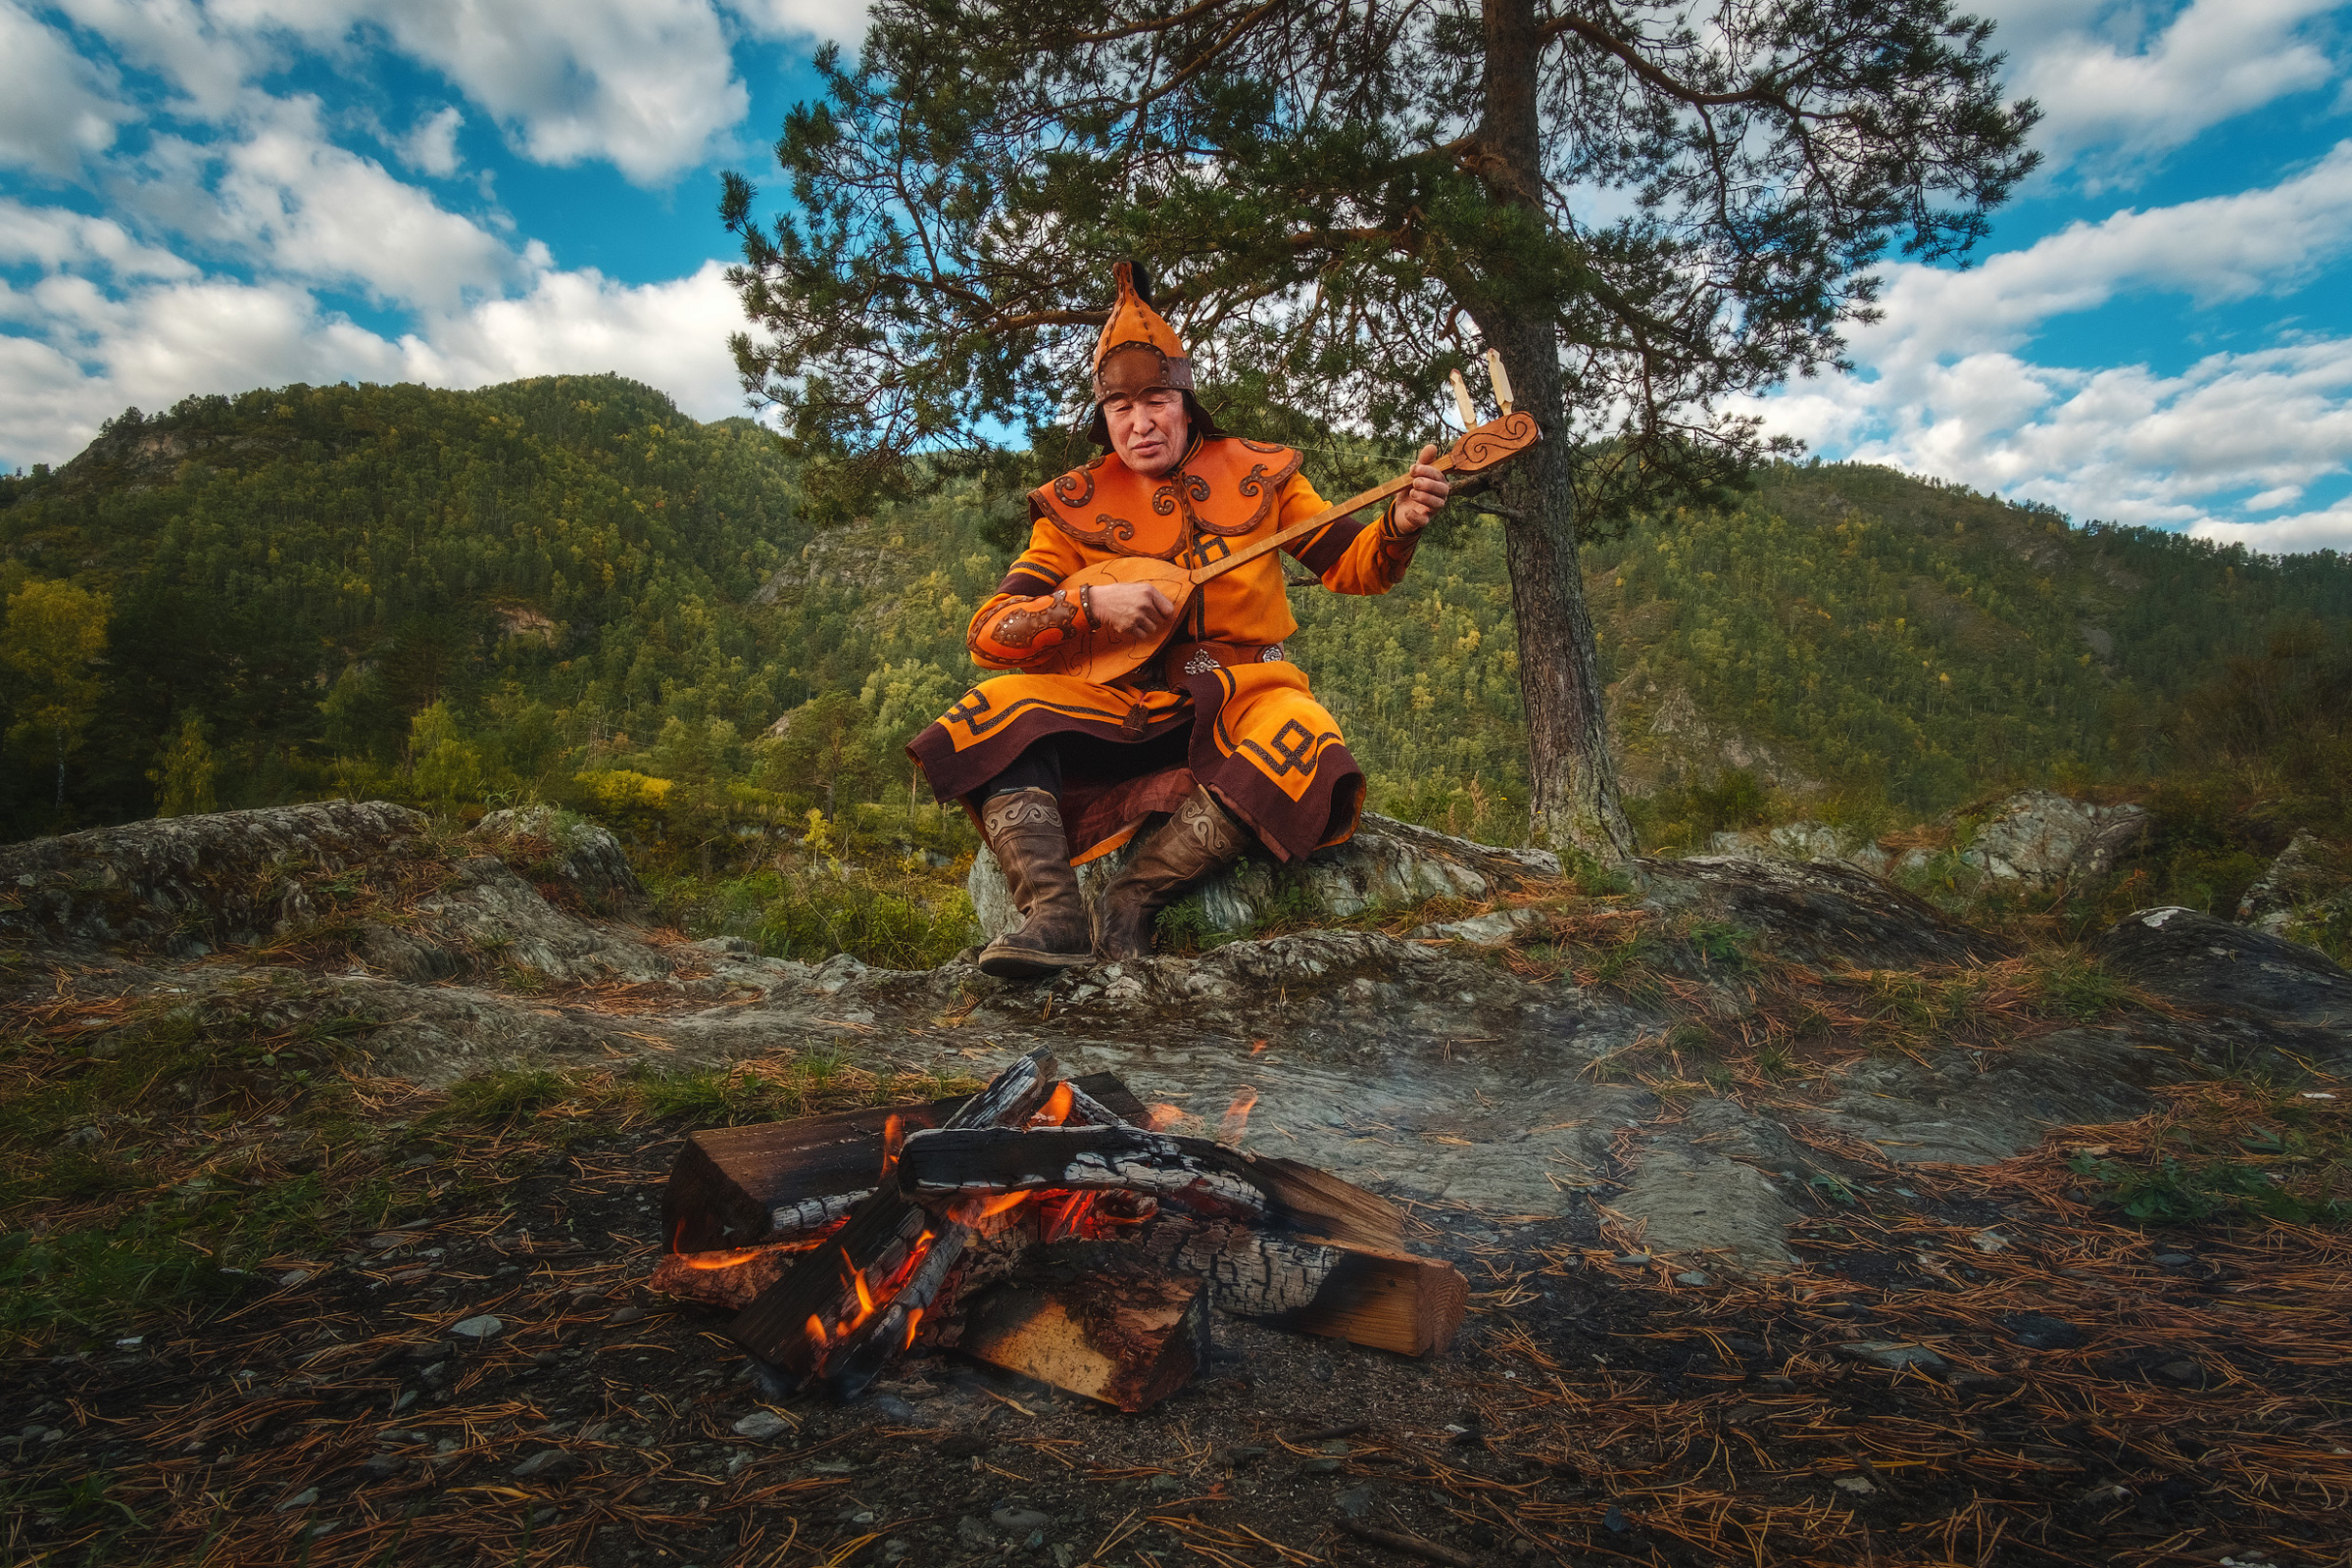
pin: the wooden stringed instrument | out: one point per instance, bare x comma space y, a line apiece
1102, 654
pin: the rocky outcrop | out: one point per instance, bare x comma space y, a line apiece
1420, 1066
2033, 837
1816, 913
1819, 841
1387, 861
186, 885
366, 873
2039, 838
2237, 983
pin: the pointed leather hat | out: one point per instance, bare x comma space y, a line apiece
1139, 352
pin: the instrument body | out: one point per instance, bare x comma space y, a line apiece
1101, 654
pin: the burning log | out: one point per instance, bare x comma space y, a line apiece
731, 1278
740, 1187
846, 1326
1041, 1230
1191, 1173
1096, 1318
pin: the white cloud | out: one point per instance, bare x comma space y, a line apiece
841, 22
287, 200
56, 107
54, 238
2222, 248
179, 42
1952, 393
647, 84
433, 147
2115, 86
2283, 536
91, 355
86, 353
671, 336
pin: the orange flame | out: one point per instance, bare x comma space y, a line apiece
816, 1331
1159, 1118
865, 1296
1237, 1118
1256, 1046
905, 1270
894, 1139
912, 1319
711, 1261
972, 1210
1058, 1108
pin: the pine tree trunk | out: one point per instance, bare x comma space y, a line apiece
1569, 760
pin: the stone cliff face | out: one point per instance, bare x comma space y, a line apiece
1462, 1065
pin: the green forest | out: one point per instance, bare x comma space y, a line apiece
566, 590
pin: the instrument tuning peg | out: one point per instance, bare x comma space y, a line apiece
1461, 401
1500, 380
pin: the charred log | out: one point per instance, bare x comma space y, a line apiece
845, 1308
737, 1187
1191, 1173
1386, 1300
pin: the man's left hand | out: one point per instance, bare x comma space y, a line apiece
1419, 501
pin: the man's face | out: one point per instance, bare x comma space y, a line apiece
1148, 430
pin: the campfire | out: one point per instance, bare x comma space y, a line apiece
1044, 1225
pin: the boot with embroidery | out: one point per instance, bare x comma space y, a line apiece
1023, 828
1200, 840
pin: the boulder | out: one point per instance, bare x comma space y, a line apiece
2039, 838
1387, 861
2268, 990
577, 852
186, 885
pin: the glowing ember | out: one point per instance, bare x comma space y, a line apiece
1237, 1118
1256, 1046
1056, 1111
1075, 1209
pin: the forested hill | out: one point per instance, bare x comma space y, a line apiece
566, 587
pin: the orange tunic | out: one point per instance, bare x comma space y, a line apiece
1257, 737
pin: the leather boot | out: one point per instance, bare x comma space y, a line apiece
1200, 839
1023, 828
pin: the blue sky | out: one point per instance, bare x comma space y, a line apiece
207, 195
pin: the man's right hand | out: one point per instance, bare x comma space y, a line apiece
1133, 609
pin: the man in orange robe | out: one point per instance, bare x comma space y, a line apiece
1219, 735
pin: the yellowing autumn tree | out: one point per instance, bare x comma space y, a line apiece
55, 633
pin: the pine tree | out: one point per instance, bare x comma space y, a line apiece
1647, 208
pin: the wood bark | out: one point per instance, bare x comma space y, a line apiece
1570, 763
1096, 1318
